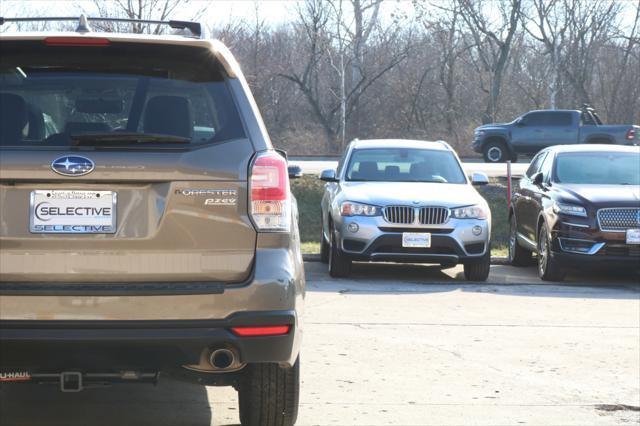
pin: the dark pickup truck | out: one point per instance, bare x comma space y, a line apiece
536, 130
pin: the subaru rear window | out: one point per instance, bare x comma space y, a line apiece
123, 93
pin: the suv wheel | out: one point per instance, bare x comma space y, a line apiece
548, 268
478, 270
339, 266
324, 248
268, 395
496, 152
518, 255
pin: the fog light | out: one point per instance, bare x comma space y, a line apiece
353, 227
477, 230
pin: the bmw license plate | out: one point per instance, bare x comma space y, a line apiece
633, 236
73, 212
416, 239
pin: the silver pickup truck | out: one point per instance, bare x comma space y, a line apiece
536, 130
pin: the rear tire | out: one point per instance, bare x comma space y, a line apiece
324, 248
478, 270
339, 266
495, 152
548, 267
518, 255
268, 395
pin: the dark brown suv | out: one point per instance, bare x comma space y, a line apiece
578, 206
146, 222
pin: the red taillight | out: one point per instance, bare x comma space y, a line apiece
76, 41
270, 200
269, 330
631, 134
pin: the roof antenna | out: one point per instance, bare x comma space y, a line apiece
83, 24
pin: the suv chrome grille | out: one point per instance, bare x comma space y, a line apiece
619, 219
433, 215
405, 215
399, 214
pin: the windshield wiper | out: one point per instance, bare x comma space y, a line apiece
125, 138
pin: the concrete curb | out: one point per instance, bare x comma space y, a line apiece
315, 257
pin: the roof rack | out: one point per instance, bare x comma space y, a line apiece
83, 22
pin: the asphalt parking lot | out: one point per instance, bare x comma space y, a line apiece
421, 350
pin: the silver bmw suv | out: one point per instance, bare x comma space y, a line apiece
404, 201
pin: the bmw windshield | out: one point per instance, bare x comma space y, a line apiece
404, 165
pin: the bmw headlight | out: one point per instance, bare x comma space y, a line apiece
349, 208
469, 212
569, 209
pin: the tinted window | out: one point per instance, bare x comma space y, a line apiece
559, 119
404, 165
545, 167
535, 164
598, 168
536, 119
55, 92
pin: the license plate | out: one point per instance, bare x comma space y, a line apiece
416, 239
633, 236
73, 212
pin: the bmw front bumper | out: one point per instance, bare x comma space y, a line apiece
377, 240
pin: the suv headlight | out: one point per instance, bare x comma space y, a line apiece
469, 212
569, 209
349, 208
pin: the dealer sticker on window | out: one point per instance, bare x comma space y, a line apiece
73, 212
633, 236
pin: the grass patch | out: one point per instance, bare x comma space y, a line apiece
309, 189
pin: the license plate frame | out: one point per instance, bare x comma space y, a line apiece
416, 239
72, 212
633, 236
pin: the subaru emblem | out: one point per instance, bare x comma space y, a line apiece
72, 165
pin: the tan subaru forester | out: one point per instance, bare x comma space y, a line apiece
147, 228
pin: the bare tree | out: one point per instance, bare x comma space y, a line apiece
493, 42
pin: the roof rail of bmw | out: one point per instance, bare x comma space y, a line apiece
83, 22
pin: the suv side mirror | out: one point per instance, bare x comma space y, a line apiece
479, 179
295, 172
537, 179
328, 175
283, 153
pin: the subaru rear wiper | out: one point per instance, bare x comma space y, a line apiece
125, 138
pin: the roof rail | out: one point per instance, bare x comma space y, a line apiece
83, 22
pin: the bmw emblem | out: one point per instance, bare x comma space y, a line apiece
72, 165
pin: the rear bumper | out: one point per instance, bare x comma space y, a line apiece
141, 345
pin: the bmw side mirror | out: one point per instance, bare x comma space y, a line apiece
295, 172
283, 153
328, 175
479, 179
537, 179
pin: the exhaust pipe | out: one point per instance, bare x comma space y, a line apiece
222, 359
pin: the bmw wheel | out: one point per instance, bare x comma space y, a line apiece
339, 265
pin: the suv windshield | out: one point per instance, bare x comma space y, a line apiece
120, 93
598, 168
404, 165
